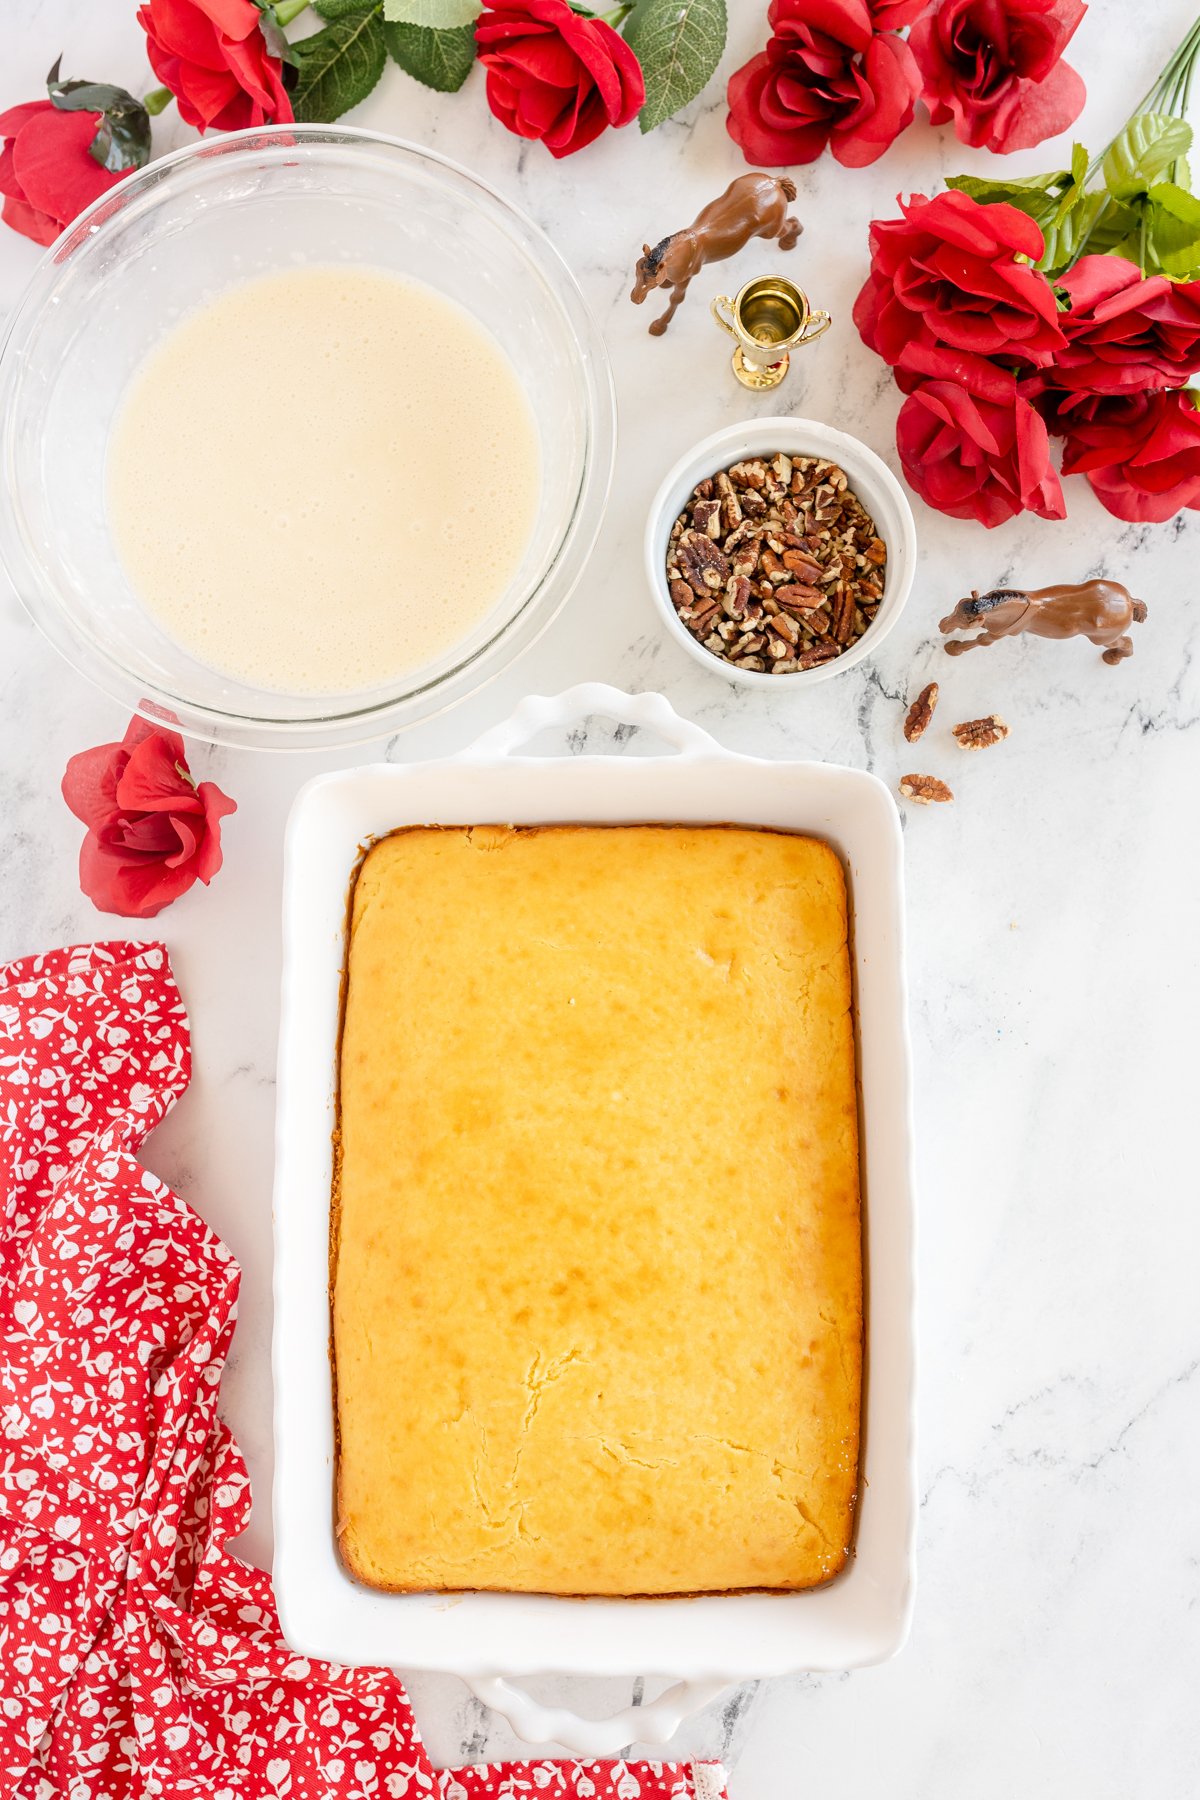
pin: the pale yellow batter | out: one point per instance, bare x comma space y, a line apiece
323, 479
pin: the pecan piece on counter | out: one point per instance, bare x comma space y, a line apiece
979, 734
921, 711
924, 788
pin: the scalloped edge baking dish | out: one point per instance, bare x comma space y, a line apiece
705, 1643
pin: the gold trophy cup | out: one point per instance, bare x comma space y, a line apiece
769, 318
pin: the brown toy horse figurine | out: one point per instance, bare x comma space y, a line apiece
752, 206
1101, 611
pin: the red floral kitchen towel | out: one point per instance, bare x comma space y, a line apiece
138, 1657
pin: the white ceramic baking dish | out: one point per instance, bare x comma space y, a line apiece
702, 1644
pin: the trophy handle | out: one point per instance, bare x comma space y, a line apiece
720, 301
814, 325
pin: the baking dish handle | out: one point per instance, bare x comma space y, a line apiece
538, 1724
538, 712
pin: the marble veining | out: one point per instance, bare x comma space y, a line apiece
1054, 971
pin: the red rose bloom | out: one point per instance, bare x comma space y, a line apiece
214, 58
47, 172
1140, 452
947, 273
993, 66
974, 448
1126, 332
826, 77
152, 831
554, 75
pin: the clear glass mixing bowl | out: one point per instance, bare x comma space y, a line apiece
180, 232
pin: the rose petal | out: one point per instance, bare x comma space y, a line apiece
89, 784
151, 780
53, 163
132, 887
29, 222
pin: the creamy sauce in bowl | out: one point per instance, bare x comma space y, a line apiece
323, 480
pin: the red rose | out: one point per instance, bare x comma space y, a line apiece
947, 273
47, 172
894, 15
152, 831
214, 58
1124, 332
974, 448
993, 67
554, 75
1140, 452
826, 77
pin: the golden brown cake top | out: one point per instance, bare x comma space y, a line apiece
598, 1298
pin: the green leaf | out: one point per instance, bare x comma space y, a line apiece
432, 15
1176, 201
1143, 153
342, 9
1037, 195
338, 66
441, 59
122, 139
1096, 222
274, 36
679, 44
1065, 237
1173, 232
1012, 188
1073, 192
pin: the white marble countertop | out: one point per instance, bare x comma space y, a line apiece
1055, 973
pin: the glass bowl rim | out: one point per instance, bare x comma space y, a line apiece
36, 586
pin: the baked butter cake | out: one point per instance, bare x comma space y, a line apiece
597, 1290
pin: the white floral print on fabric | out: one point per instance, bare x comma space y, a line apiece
138, 1657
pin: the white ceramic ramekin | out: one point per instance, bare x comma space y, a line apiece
701, 1643
871, 480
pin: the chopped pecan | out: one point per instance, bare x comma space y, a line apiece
843, 615
701, 563
749, 474
706, 516
924, 788
921, 711
820, 653
737, 596
796, 594
774, 563
803, 566
980, 734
